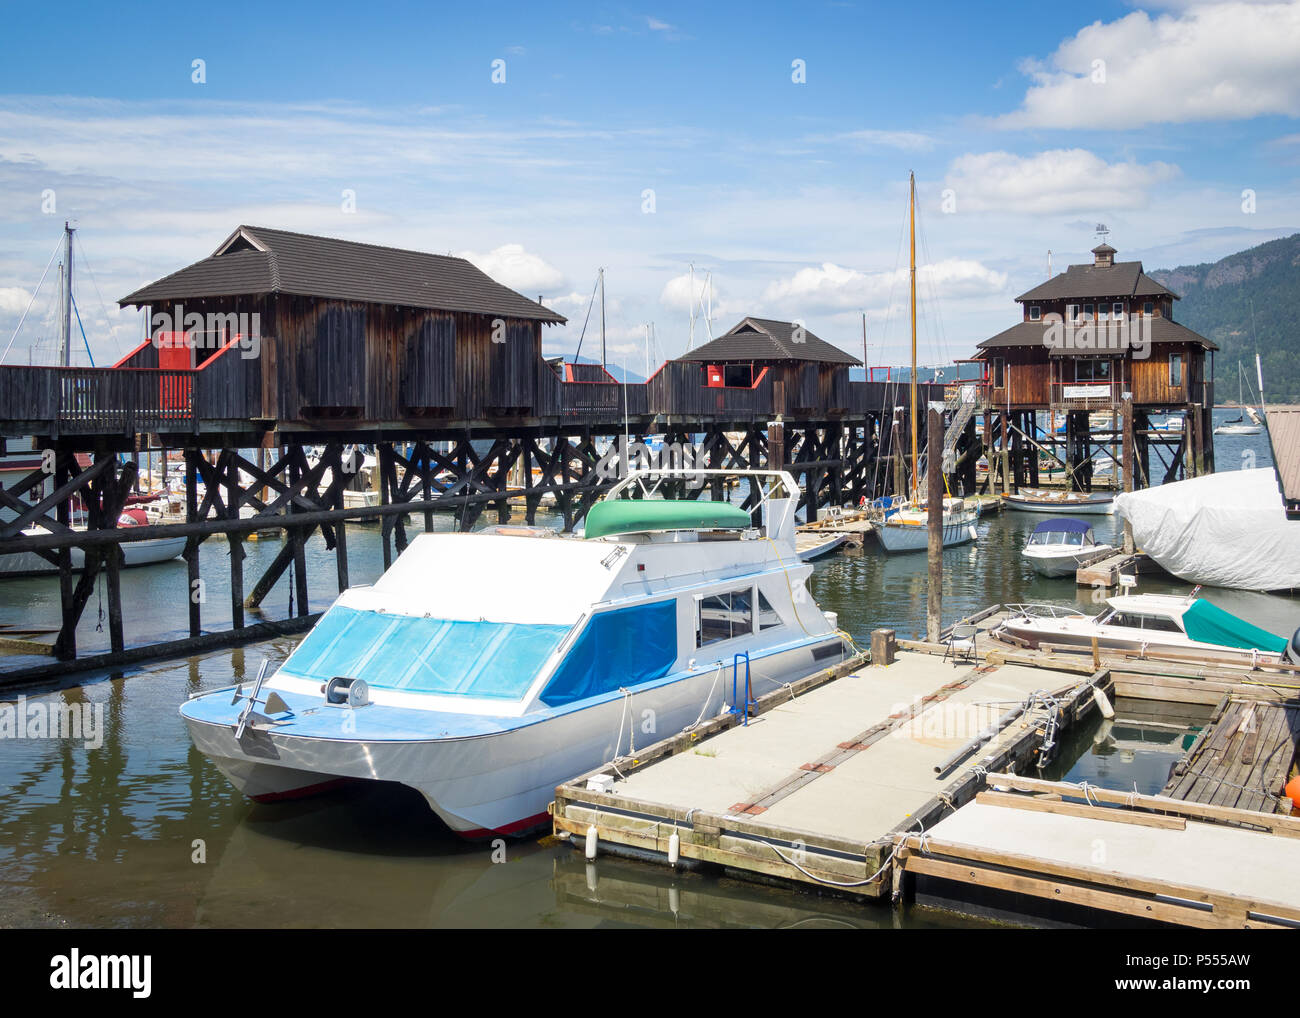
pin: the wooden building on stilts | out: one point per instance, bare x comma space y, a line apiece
1097, 366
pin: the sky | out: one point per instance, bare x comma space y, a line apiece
768, 145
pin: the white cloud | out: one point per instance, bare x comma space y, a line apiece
831, 287
1059, 180
13, 299
1226, 61
906, 141
677, 292
518, 269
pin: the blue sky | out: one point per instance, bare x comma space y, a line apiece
648, 138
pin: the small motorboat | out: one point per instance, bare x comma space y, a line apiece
1059, 547
1149, 623
1049, 500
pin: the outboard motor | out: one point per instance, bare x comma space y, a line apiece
1292, 652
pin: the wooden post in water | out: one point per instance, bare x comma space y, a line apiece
934, 475
1129, 463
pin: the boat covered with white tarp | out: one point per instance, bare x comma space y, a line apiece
1227, 529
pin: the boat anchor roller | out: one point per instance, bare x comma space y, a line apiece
273, 703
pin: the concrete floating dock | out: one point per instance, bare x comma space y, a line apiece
907, 780
1152, 858
816, 788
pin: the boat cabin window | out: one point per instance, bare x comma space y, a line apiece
1137, 620
725, 616
767, 616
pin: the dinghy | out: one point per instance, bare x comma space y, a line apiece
1049, 500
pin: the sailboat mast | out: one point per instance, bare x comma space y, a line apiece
911, 226
65, 297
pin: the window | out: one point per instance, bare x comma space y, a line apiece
1148, 308
1087, 311
1072, 312
738, 376
999, 373
1176, 369
767, 616
725, 616
1091, 370
1035, 313
1117, 309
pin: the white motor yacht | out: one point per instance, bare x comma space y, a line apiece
485, 669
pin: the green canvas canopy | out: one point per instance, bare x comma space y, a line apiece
639, 516
1210, 624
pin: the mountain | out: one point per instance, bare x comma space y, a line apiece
1216, 302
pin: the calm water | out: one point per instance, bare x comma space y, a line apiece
110, 836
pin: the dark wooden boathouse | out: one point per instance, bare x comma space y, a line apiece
1099, 339
304, 347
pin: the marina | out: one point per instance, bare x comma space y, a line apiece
360, 567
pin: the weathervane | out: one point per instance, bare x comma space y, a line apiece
1102, 232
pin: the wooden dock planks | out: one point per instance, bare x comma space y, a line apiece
1244, 758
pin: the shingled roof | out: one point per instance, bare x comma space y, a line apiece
1122, 279
259, 260
764, 339
1163, 330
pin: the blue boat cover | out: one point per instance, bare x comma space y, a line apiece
1209, 623
1064, 525
498, 660
623, 647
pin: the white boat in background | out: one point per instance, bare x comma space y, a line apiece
1227, 530
1238, 425
905, 526
544, 658
134, 553
1060, 547
811, 545
1051, 500
1149, 622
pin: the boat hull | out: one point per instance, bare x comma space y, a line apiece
134, 553
1055, 562
1058, 506
901, 537
496, 783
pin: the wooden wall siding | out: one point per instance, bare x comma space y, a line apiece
228, 386
28, 393
332, 363
429, 377
145, 356
1151, 377
494, 378
804, 382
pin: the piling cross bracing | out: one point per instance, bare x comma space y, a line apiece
303, 488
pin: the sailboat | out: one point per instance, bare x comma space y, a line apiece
24, 470
903, 525
1238, 425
